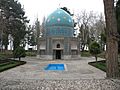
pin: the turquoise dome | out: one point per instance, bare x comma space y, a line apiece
59, 18
59, 23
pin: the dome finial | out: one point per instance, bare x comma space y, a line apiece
59, 6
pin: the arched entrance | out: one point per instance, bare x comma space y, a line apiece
57, 52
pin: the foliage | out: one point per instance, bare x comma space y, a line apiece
5, 55
91, 25
19, 52
103, 37
85, 54
30, 36
33, 34
102, 55
12, 63
66, 9
94, 49
37, 28
15, 21
103, 41
31, 53
100, 65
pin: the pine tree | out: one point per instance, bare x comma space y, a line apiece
15, 20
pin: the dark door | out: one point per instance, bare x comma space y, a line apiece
58, 54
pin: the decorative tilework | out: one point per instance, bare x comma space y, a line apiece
60, 16
58, 12
70, 20
48, 20
58, 19
59, 23
64, 17
53, 17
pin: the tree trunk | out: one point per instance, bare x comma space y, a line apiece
112, 43
96, 58
16, 43
19, 58
82, 47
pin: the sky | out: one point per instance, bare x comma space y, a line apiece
41, 8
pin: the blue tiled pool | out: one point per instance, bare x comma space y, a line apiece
59, 67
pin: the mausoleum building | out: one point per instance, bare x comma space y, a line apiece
58, 41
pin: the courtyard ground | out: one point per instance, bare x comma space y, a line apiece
78, 75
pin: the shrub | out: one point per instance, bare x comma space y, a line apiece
19, 52
94, 49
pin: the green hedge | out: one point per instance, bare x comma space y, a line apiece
85, 54
30, 53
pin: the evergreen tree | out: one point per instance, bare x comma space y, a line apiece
31, 40
67, 10
37, 28
15, 20
19, 52
94, 49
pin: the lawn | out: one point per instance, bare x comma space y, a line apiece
7, 64
101, 65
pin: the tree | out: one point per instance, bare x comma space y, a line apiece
31, 36
112, 43
37, 28
15, 20
3, 29
103, 41
19, 52
118, 21
98, 27
94, 49
67, 10
85, 21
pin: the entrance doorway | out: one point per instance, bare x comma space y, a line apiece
58, 54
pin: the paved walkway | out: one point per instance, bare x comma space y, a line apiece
77, 76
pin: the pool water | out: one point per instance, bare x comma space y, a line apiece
59, 67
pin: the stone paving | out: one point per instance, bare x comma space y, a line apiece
77, 76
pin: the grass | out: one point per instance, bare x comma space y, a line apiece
5, 65
100, 65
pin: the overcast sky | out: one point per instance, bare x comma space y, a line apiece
40, 8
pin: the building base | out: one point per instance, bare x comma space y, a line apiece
65, 57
